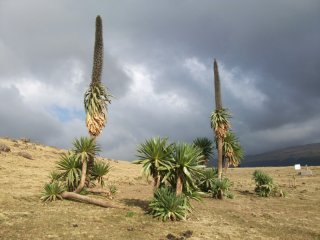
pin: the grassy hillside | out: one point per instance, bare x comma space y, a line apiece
24, 216
306, 154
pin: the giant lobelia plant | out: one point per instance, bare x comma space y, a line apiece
219, 119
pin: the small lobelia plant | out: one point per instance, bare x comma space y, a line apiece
113, 188
220, 188
85, 148
186, 167
98, 171
52, 191
166, 205
207, 179
69, 170
264, 184
54, 176
206, 146
155, 156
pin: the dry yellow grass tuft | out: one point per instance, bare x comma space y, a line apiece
24, 216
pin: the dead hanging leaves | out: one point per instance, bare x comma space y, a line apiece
220, 122
221, 130
95, 102
95, 123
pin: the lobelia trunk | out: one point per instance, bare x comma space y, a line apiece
218, 101
85, 199
226, 165
83, 177
156, 181
179, 185
220, 144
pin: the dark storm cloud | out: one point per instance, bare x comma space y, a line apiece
270, 48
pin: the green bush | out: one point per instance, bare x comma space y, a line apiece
69, 167
52, 192
98, 171
206, 146
166, 205
207, 179
54, 176
264, 184
221, 188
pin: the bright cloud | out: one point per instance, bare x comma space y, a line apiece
242, 87
142, 91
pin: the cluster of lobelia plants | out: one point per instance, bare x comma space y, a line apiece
179, 175
68, 173
77, 171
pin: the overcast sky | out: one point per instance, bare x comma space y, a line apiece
158, 65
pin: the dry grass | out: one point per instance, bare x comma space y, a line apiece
24, 216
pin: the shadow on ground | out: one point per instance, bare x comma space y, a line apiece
132, 202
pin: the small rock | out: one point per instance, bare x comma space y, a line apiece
75, 225
25, 155
171, 237
187, 234
4, 148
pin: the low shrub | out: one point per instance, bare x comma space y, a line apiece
98, 171
69, 168
52, 191
264, 183
265, 186
54, 176
220, 189
207, 179
166, 205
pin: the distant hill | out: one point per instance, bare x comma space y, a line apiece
306, 154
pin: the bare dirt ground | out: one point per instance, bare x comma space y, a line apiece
24, 216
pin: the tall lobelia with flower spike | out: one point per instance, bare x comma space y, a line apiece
97, 97
96, 100
219, 119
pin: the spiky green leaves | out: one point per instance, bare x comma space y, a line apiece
155, 156
52, 191
221, 188
96, 102
220, 122
186, 159
206, 146
167, 206
85, 147
207, 179
99, 170
264, 183
69, 167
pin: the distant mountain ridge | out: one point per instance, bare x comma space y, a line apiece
305, 154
